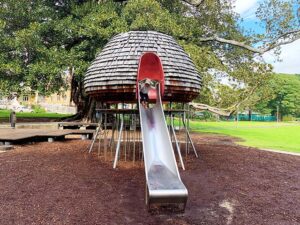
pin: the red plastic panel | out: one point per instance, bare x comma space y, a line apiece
150, 67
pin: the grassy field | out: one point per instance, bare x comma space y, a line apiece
4, 114
269, 135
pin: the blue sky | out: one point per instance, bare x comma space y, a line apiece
290, 53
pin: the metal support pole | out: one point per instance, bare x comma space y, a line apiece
99, 144
119, 143
188, 117
179, 122
105, 135
112, 134
186, 136
125, 141
189, 138
114, 127
134, 136
177, 146
140, 145
95, 137
188, 124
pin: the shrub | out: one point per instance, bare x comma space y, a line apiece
288, 118
38, 109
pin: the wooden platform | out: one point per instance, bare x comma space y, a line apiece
136, 111
76, 125
5, 148
13, 135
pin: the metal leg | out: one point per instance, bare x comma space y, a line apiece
125, 141
177, 147
94, 139
99, 145
186, 137
118, 145
105, 135
114, 133
189, 139
112, 137
139, 144
134, 138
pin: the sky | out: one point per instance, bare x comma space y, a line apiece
289, 57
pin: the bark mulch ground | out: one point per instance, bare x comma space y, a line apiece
56, 183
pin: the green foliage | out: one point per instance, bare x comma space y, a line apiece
278, 17
282, 93
149, 15
4, 115
40, 42
286, 95
38, 109
288, 118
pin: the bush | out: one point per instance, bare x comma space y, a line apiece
38, 109
288, 118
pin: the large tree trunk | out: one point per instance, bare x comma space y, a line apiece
85, 104
249, 114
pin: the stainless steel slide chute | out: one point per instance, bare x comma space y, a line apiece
164, 184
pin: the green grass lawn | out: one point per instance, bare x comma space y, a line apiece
4, 114
269, 135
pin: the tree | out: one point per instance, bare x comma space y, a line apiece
28, 59
284, 94
279, 18
57, 37
42, 40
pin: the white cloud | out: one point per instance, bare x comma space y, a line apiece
245, 7
290, 56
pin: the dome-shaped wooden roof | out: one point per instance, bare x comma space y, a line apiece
112, 75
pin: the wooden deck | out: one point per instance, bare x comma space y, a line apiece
12, 135
76, 125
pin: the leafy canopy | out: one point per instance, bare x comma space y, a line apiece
284, 94
42, 40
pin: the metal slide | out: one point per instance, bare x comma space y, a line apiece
164, 184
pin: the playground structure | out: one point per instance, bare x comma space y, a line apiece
138, 133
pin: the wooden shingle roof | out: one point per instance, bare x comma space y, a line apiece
112, 75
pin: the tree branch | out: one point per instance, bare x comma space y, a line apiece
195, 3
231, 42
212, 109
278, 41
228, 111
